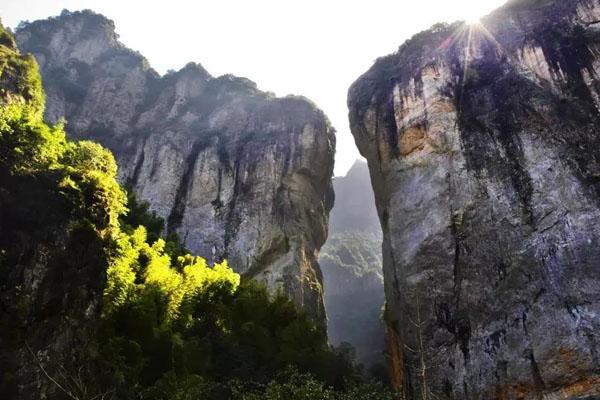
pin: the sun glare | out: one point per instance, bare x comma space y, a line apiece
472, 19
472, 14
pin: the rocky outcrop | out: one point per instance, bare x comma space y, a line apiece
482, 142
236, 172
352, 268
53, 258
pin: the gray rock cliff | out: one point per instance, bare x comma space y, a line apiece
236, 172
482, 143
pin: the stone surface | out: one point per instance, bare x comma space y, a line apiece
352, 268
482, 143
52, 267
236, 172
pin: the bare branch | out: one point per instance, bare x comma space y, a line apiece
410, 348
73, 385
58, 385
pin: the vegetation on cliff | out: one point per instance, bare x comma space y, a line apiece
96, 305
225, 164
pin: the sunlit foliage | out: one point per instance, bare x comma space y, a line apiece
167, 320
172, 326
20, 81
59, 208
140, 268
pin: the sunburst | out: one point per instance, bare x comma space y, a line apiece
466, 40
469, 35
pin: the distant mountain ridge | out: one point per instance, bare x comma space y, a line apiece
355, 204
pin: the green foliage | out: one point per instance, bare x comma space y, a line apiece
142, 274
358, 253
293, 386
172, 327
20, 80
27, 145
191, 387
6, 38
166, 320
84, 172
289, 384
59, 207
90, 182
149, 307
139, 214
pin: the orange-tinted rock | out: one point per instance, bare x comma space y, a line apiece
482, 143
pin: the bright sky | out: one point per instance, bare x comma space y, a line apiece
315, 48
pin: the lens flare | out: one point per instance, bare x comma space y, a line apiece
472, 17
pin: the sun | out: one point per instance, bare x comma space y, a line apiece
472, 17
472, 13
473, 21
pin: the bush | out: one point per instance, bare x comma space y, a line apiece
172, 327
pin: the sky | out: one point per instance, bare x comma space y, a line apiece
314, 48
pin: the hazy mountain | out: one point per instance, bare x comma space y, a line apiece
351, 265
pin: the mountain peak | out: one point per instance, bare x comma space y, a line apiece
87, 21
83, 36
359, 167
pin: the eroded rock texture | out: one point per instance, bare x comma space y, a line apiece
236, 172
352, 268
482, 144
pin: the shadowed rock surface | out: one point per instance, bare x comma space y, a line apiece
482, 143
53, 252
236, 172
351, 265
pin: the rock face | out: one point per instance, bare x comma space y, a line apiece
352, 268
52, 265
482, 143
236, 172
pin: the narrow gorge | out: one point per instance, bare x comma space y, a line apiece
181, 236
352, 268
482, 142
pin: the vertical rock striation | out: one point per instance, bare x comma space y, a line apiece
482, 143
236, 172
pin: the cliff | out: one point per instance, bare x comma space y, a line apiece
351, 265
482, 147
235, 172
59, 203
